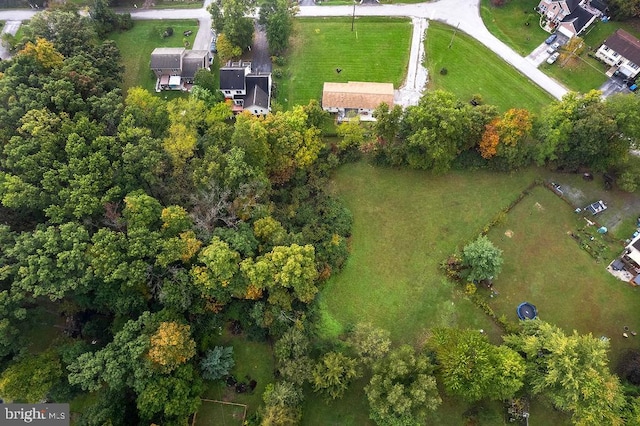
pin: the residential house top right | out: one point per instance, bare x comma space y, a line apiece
621, 51
570, 17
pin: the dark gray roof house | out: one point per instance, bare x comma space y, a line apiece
577, 21
248, 90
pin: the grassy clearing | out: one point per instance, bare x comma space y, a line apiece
377, 50
211, 412
544, 265
578, 73
137, 44
509, 24
474, 69
252, 359
405, 223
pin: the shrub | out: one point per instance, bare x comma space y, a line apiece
279, 60
443, 71
167, 32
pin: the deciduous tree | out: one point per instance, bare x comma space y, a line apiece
572, 371
229, 17
473, 369
436, 130
277, 17
403, 389
171, 346
30, 378
333, 374
369, 343
482, 258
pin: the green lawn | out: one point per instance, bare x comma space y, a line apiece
252, 359
474, 69
377, 50
579, 74
405, 223
509, 24
137, 44
544, 265
211, 413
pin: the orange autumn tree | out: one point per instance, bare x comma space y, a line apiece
490, 139
171, 346
506, 131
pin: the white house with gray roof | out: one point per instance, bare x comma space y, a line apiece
245, 89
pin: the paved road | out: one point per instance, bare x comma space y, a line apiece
463, 14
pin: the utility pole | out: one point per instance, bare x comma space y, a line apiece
353, 17
454, 34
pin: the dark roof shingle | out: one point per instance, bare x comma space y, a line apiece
167, 58
625, 44
579, 18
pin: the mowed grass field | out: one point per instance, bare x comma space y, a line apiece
516, 23
137, 44
474, 69
405, 223
544, 265
376, 50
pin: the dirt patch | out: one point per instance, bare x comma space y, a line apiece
539, 207
509, 233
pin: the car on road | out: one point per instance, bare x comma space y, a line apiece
551, 38
553, 58
553, 47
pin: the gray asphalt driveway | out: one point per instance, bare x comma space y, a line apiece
612, 86
260, 58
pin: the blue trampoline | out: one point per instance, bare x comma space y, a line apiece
526, 311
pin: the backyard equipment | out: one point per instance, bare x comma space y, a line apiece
597, 207
527, 311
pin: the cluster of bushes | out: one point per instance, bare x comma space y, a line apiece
442, 132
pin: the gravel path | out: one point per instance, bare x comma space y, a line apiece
411, 91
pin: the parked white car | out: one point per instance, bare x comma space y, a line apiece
553, 58
553, 47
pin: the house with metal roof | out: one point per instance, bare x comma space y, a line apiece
356, 98
621, 51
176, 67
246, 89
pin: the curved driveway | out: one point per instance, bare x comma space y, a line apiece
463, 14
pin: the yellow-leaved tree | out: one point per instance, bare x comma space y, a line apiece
171, 346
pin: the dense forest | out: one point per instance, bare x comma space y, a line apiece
146, 226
